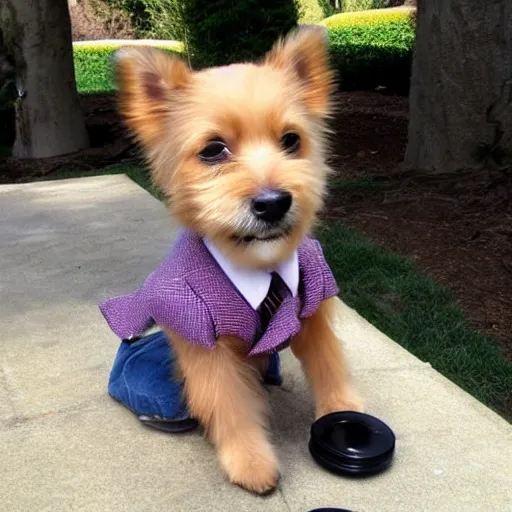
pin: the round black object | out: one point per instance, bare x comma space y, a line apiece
352, 443
330, 510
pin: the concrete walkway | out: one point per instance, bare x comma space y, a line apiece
65, 445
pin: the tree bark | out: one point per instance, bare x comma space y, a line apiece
49, 121
461, 87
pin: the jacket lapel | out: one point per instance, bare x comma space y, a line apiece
231, 314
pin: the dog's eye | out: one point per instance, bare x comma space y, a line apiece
290, 142
214, 152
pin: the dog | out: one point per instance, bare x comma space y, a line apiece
240, 153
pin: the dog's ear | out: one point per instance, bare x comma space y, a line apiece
148, 79
304, 52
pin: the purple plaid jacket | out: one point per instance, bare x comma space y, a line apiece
192, 296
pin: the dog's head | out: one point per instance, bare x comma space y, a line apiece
238, 150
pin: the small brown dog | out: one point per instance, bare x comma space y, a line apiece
214, 140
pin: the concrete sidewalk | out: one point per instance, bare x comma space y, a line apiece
65, 445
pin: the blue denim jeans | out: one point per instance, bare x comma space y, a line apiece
141, 378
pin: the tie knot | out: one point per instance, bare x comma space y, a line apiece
278, 286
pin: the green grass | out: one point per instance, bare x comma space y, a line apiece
93, 67
408, 306
400, 300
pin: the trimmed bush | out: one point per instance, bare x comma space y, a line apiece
368, 49
93, 66
373, 17
363, 5
373, 48
220, 32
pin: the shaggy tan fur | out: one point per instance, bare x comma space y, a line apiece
174, 113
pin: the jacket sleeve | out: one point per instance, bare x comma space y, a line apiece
319, 282
330, 287
171, 304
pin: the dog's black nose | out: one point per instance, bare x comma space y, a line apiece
271, 205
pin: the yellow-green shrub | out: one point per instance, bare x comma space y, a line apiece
372, 48
371, 17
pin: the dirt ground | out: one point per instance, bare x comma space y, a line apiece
457, 228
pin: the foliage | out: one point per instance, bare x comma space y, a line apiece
220, 32
368, 49
164, 19
379, 17
392, 294
168, 19
313, 11
136, 10
363, 5
93, 66
372, 48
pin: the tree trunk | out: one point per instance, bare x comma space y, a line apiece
461, 87
49, 121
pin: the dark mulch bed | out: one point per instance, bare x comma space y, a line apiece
458, 228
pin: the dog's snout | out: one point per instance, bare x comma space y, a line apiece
271, 205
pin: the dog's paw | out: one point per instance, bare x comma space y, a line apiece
348, 401
252, 466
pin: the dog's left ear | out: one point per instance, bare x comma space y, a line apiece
149, 81
305, 53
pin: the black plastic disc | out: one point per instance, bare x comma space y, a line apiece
352, 443
330, 509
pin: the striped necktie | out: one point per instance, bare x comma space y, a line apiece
275, 296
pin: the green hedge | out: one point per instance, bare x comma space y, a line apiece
368, 49
93, 66
372, 17
363, 5
158, 18
373, 48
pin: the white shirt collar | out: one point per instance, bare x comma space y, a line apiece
254, 284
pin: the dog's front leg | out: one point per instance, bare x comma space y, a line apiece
224, 393
320, 353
